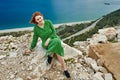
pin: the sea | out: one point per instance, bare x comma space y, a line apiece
17, 13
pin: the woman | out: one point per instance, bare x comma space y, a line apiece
50, 41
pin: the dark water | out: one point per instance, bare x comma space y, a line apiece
17, 13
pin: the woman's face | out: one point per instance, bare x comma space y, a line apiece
39, 19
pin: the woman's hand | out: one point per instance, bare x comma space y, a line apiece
27, 51
47, 42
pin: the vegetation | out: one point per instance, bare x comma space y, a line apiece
110, 20
81, 37
15, 34
67, 30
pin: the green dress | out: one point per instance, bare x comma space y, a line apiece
48, 31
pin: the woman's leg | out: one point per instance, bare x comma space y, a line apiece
61, 60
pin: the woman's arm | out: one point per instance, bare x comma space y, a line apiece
34, 39
33, 44
54, 34
47, 42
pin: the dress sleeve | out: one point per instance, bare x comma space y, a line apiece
34, 39
53, 30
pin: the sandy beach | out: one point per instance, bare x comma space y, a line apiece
31, 28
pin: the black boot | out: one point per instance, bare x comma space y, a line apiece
67, 74
49, 60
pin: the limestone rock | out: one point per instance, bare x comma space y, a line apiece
110, 33
12, 54
92, 63
99, 75
108, 76
2, 56
98, 38
70, 52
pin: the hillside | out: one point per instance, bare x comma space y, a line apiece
110, 20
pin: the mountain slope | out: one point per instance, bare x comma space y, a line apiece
110, 20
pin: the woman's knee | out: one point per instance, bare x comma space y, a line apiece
56, 40
59, 57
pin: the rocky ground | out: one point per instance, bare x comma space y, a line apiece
14, 65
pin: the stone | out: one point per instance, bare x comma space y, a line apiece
110, 56
12, 76
92, 63
2, 56
76, 43
95, 67
110, 32
19, 79
12, 54
99, 75
13, 46
98, 38
70, 52
108, 76
30, 68
3, 63
103, 70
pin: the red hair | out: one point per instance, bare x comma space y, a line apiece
33, 17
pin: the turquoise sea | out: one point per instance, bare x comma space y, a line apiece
17, 13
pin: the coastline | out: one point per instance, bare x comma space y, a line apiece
31, 28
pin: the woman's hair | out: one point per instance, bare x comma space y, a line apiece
33, 17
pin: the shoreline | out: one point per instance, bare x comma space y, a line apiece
31, 28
